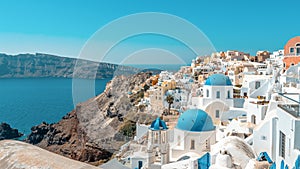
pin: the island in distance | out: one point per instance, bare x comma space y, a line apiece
45, 65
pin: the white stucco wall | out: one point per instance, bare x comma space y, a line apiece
286, 124
177, 150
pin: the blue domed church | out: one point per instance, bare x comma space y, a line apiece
178, 147
216, 96
194, 133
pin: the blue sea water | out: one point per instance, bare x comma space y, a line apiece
30, 101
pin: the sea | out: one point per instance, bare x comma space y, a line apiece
26, 102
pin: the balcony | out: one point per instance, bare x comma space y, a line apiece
292, 54
292, 109
288, 104
258, 102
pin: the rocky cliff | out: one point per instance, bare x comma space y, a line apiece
20, 155
44, 65
96, 128
6, 132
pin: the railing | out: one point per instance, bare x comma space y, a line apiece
294, 54
292, 109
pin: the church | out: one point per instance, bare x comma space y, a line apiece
216, 96
182, 146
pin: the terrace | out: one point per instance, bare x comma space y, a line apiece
292, 109
290, 105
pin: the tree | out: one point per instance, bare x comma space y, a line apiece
170, 100
146, 87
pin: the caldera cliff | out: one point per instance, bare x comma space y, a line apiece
98, 127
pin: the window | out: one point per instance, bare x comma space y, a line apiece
207, 93
217, 113
257, 84
282, 144
263, 137
178, 140
163, 137
292, 50
192, 144
218, 94
298, 51
253, 119
228, 94
155, 137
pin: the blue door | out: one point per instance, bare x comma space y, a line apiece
204, 161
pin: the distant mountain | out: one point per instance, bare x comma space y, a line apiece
44, 65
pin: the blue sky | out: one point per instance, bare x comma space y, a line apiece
63, 27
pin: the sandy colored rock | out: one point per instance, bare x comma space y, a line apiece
20, 155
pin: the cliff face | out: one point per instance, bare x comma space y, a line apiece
44, 65
98, 127
68, 139
17, 155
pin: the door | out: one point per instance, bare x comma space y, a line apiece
140, 164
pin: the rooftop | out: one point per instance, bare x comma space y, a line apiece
158, 124
218, 80
195, 120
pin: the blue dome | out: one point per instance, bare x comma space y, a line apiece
158, 124
195, 120
218, 80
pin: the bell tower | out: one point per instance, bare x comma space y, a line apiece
158, 146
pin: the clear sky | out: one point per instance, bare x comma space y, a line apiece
63, 26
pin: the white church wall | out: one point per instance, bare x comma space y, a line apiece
202, 142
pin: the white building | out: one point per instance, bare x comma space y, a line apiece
217, 96
180, 98
184, 145
165, 75
251, 84
194, 133
231, 153
291, 76
261, 68
277, 54
278, 134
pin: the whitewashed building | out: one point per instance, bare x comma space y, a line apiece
278, 134
217, 96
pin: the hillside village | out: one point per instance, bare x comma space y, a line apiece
229, 110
